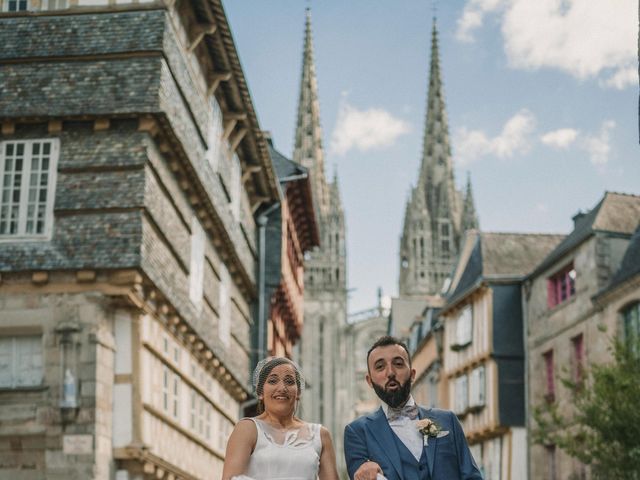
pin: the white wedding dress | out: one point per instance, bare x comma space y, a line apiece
285, 455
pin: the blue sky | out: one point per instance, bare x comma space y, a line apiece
542, 101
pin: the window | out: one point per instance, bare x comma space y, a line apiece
224, 315
631, 325
170, 392
21, 361
477, 388
551, 387
577, 344
445, 237
561, 286
28, 174
463, 333
196, 270
15, 5
54, 4
461, 394
236, 187
216, 145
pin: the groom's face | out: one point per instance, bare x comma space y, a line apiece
390, 374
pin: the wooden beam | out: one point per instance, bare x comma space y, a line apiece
248, 171
198, 32
237, 138
8, 128
101, 124
54, 126
215, 79
230, 124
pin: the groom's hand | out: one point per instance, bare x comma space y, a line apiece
367, 471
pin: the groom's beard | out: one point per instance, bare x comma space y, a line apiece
395, 398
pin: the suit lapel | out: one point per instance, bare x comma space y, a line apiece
430, 449
379, 428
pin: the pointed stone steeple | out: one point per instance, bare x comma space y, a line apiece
433, 217
469, 216
436, 169
308, 137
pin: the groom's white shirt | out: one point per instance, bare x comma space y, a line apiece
406, 430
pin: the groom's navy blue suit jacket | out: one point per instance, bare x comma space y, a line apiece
448, 457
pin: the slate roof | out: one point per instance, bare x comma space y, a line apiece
630, 265
616, 213
283, 166
502, 257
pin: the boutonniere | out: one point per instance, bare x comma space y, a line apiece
429, 428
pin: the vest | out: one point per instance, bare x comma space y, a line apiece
411, 468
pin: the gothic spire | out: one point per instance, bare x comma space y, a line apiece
308, 137
436, 166
469, 216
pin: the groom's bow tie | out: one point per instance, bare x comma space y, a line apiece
410, 411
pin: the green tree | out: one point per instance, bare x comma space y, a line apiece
603, 431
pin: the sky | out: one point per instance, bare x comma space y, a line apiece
541, 98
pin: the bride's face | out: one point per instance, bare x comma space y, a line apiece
280, 391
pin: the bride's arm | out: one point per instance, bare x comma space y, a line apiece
239, 448
328, 468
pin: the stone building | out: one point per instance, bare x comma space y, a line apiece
325, 301
587, 282
132, 163
362, 330
483, 346
436, 214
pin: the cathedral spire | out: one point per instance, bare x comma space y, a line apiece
469, 216
308, 137
436, 164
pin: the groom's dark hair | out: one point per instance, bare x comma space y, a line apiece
385, 341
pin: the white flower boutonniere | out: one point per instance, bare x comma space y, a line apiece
428, 428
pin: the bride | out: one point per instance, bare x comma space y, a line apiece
276, 444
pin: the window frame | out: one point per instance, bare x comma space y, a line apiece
561, 286
15, 360
23, 202
5, 6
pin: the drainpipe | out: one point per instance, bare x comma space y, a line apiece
262, 221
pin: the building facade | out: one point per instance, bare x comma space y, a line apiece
291, 230
483, 352
586, 283
131, 162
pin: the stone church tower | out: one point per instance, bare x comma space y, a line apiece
325, 300
436, 214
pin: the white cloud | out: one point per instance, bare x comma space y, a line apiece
561, 138
365, 129
599, 146
513, 139
473, 16
585, 38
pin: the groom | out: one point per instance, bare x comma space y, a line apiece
402, 440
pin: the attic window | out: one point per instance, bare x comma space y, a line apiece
561, 286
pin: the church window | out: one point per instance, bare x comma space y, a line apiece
27, 188
337, 275
445, 237
404, 263
422, 247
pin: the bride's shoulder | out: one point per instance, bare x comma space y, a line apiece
246, 427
